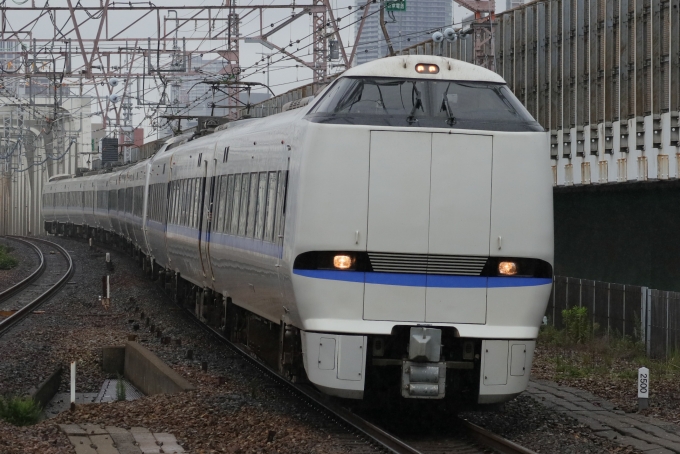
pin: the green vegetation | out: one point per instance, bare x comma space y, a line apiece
578, 351
577, 326
19, 411
7, 261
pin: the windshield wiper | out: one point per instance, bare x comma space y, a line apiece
450, 119
416, 105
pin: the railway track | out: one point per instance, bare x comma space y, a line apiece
468, 437
54, 270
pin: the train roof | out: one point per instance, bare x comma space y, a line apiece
404, 66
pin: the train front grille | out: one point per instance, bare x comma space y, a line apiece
387, 262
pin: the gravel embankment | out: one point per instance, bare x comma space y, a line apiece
28, 262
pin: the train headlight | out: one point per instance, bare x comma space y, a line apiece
427, 69
507, 268
342, 262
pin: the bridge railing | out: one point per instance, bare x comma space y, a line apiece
645, 315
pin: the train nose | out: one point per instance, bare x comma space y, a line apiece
430, 211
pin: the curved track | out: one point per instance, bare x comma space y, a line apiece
9, 292
55, 268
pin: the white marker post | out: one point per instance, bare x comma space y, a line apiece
643, 388
106, 290
73, 385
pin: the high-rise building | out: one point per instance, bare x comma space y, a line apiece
195, 97
510, 4
405, 28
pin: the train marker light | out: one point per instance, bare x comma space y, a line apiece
342, 262
507, 268
427, 69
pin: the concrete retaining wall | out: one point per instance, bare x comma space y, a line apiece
48, 388
151, 375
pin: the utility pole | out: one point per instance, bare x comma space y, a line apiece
383, 5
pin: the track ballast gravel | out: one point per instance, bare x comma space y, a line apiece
28, 262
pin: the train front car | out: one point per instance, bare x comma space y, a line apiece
421, 258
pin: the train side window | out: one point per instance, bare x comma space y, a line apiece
245, 184
165, 196
280, 202
179, 215
252, 204
178, 208
236, 206
221, 202
261, 203
150, 209
200, 195
217, 211
217, 203
173, 198
186, 206
175, 201
270, 207
151, 202
189, 201
159, 202
196, 203
169, 195
228, 203
181, 209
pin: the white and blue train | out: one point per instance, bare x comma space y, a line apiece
394, 235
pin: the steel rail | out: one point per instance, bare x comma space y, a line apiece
493, 441
19, 286
19, 315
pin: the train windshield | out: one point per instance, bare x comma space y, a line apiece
423, 103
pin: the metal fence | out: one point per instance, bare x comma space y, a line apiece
640, 313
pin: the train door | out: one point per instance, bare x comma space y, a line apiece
398, 218
460, 220
429, 214
205, 226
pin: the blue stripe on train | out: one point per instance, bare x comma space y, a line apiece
424, 280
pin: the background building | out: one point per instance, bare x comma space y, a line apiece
412, 26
